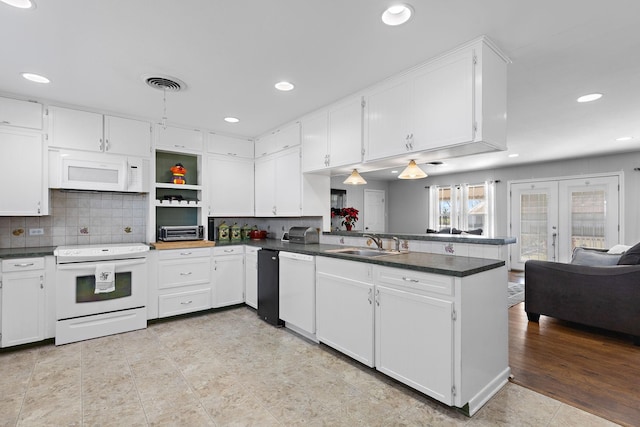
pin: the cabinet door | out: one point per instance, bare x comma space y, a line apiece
265, 145
179, 139
387, 122
344, 316
345, 133
25, 114
230, 146
265, 178
75, 129
288, 192
25, 190
287, 137
228, 280
251, 278
314, 142
414, 341
443, 103
23, 311
231, 182
127, 136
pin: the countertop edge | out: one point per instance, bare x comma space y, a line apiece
432, 237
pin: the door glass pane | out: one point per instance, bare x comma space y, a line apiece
444, 207
476, 207
533, 226
588, 219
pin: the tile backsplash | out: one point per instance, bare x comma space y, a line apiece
80, 218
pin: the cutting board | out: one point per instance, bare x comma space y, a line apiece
183, 245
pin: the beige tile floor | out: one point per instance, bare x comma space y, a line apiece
229, 368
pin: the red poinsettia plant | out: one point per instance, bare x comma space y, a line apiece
349, 215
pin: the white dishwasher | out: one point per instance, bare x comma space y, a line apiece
297, 297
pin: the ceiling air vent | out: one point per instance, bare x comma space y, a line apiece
165, 83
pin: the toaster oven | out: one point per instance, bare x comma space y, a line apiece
172, 233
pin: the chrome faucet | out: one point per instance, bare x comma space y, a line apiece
376, 239
397, 241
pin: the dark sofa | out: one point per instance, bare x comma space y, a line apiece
604, 297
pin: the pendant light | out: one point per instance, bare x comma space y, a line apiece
354, 179
412, 171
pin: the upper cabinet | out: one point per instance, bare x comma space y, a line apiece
83, 130
333, 137
456, 100
229, 146
24, 114
281, 139
179, 139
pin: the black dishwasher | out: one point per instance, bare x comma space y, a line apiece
268, 287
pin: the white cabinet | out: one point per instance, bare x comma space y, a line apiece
456, 100
281, 139
17, 113
278, 184
297, 292
230, 183
333, 137
83, 130
344, 307
23, 301
174, 138
229, 146
26, 191
414, 340
228, 276
251, 276
183, 278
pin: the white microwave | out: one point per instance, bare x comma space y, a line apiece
76, 170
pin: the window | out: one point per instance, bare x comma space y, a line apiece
464, 207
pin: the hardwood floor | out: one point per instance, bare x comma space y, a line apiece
594, 370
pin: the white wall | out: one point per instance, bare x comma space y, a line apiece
404, 198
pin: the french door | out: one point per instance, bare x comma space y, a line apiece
550, 218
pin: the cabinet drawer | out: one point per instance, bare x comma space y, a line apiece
414, 280
184, 253
172, 273
184, 302
228, 250
22, 264
354, 270
251, 250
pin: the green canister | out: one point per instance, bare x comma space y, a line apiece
223, 231
245, 232
235, 232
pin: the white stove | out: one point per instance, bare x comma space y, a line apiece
81, 253
100, 290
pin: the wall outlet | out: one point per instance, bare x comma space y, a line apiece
36, 231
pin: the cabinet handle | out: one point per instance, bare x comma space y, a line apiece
24, 264
41, 282
5, 122
186, 302
178, 146
188, 273
378, 297
232, 154
106, 145
409, 279
369, 297
100, 145
186, 253
229, 250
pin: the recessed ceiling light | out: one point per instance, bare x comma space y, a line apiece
21, 4
624, 138
397, 14
513, 155
231, 119
590, 97
35, 78
394, 171
284, 86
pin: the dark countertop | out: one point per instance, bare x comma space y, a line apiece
26, 252
448, 265
433, 237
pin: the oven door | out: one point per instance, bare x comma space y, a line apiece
76, 288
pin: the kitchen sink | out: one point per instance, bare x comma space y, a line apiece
363, 252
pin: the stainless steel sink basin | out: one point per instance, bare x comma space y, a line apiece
363, 252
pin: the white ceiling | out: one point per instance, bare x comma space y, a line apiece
230, 53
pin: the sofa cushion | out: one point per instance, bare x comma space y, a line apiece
618, 249
631, 256
582, 256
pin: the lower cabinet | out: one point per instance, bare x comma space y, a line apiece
23, 301
251, 276
344, 307
184, 281
228, 276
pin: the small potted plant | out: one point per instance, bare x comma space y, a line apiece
349, 216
